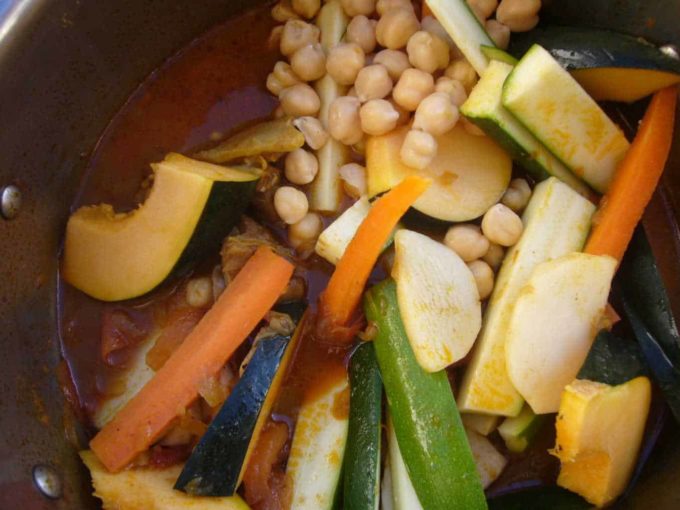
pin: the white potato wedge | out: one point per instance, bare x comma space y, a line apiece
438, 300
553, 325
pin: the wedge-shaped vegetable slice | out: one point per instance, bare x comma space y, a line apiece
469, 174
148, 489
404, 496
489, 461
438, 300
494, 53
464, 28
333, 241
425, 417
192, 206
556, 222
484, 108
318, 449
518, 431
599, 431
556, 109
553, 324
483, 424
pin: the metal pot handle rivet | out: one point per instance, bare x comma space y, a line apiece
10, 201
48, 481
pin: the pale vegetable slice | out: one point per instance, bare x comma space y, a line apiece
483, 424
489, 461
553, 325
438, 300
556, 222
404, 496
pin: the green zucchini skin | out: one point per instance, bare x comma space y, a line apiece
426, 420
217, 462
362, 456
613, 360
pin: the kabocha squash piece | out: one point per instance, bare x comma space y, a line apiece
148, 489
613, 360
191, 207
611, 66
469, 174
599, 432
217, 464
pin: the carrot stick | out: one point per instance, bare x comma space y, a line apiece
636, 178
342, 295
175, 386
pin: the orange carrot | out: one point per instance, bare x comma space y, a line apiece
636, 178
342, 295
175, 386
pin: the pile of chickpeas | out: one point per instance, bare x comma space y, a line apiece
397, 70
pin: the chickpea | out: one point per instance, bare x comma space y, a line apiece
305, 232
357, 7
462, 71
413, 86
432, 25
352, 92
436, 114
344, 123
499, 33
283, 12
384, 6
344, 62
502, 226
281, 77
483, 9
484, 278
353, 177
274, 40
467, 241
312, 129
378, 117
404, 115
453, 88
419, 149
395, 61
309, 62
306, 8
290, 204
300, 100
519, 15
517, 195
427, 52
373, 82
199, 292
494, 256
361, 31
274, 85
278, 113
296, 34
301, 166
395, 27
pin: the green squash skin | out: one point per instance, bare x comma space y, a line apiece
223, 210
612, 360
216, 463
425, 416
362, 456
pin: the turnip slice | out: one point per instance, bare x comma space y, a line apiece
438, 300
553, 324
489, 461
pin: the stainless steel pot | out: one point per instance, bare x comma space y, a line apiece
66, 66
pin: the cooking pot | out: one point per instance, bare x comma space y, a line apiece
66, 66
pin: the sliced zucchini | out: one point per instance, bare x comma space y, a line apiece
494, 53
361, 487
556, 222
438, 300
316, 455
556, 109
483, 424
519, 431
489, 461
404, 496
484, 108
432, 440
464, 28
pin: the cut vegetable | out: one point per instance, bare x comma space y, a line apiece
483, 424
494, 53
553, 324
484, 108
404, 495
343, 293
362, 458
612, 360
556, 222
438, 300
556, 109
432, 440
490, 463
318, 448
519, 431
233, 316
636, 179
602, 60
148, 489
599, 431
191, 207
469, 174
217, 463
464, 28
